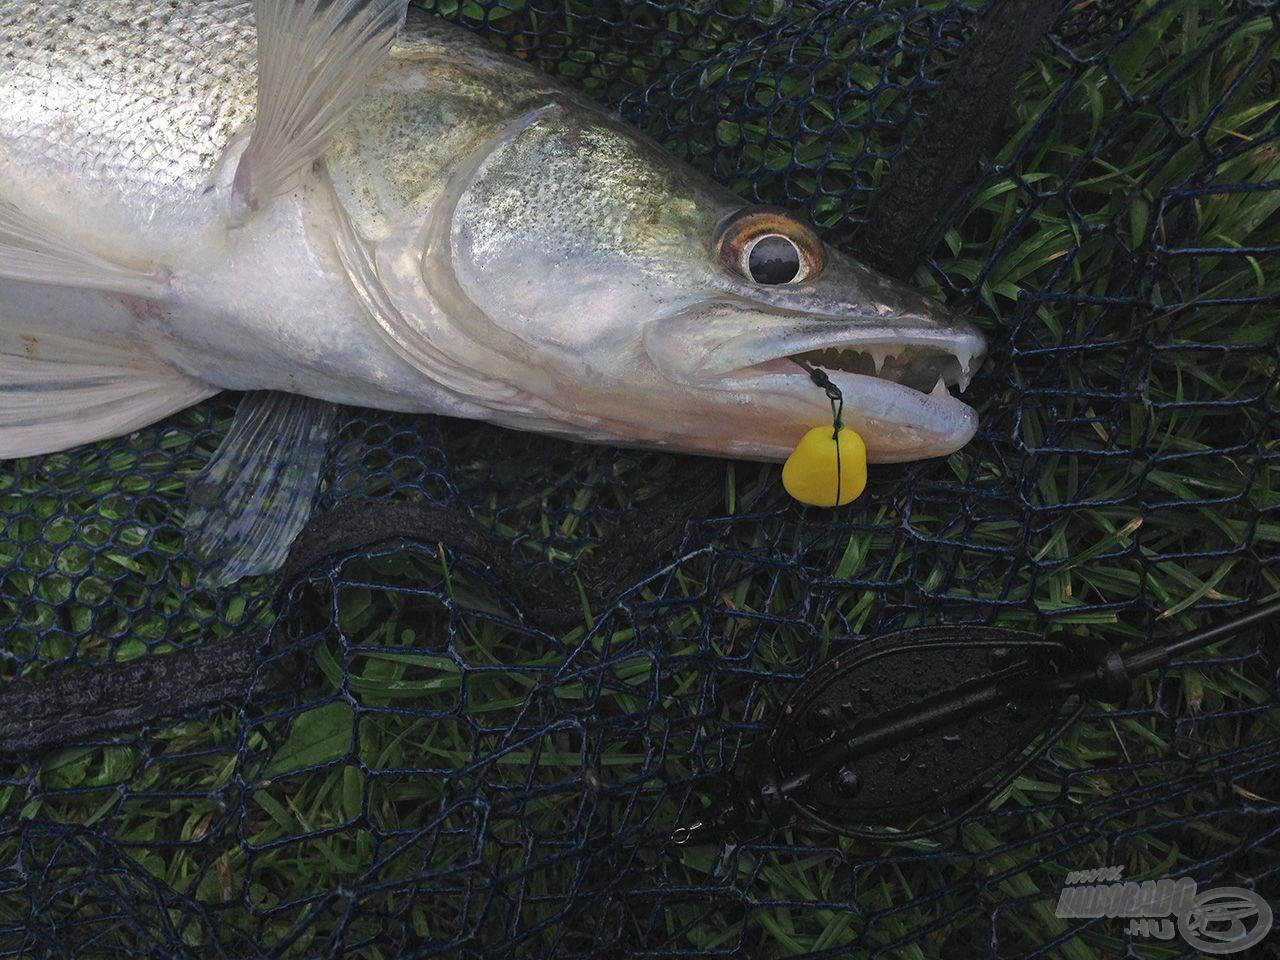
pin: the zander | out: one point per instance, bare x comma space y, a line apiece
322, 202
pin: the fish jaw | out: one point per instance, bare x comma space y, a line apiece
895, 378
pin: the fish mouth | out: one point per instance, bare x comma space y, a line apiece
921, 367
896, 375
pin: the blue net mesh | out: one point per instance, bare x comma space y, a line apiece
447, 778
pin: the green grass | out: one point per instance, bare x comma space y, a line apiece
348, 784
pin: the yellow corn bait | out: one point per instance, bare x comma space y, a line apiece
811, 474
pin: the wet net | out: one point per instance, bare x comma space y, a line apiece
442, 775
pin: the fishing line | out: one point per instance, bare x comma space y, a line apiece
819, 377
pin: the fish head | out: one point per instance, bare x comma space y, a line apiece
594, 286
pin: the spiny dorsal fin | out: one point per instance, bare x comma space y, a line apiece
32, 253
314, 58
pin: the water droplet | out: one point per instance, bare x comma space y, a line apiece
847, 781
822, 720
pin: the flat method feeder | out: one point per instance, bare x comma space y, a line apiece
927, 722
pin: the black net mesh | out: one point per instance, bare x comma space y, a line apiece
447, 778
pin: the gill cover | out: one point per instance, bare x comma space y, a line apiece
572, 233
407, 281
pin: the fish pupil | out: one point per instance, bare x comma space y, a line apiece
774, 259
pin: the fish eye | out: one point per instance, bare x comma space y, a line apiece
769, 248
773, 258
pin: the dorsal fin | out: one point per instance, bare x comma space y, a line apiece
314, 58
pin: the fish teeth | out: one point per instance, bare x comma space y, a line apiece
940, 389
964, 357
878, 357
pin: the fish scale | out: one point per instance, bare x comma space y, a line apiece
128, 101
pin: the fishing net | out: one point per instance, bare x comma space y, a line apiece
443, 774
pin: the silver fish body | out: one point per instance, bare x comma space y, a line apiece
473, 240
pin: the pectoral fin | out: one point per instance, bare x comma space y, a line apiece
314, 58
255, 495
32, 253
